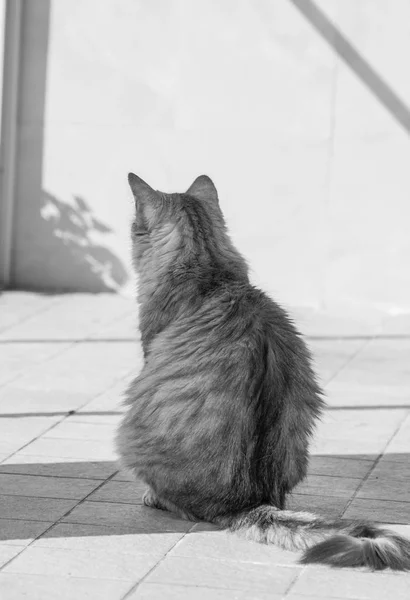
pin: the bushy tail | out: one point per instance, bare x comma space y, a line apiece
336, 543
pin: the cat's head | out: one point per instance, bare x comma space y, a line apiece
179, 229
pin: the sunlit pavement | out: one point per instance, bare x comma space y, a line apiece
72, 526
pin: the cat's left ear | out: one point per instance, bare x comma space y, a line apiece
203, 188
147, 201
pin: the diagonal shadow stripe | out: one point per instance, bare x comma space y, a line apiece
348, 53
82, 499
69, 499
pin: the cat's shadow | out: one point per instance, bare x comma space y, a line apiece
113, 506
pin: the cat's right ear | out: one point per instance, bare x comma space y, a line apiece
147, 200
203, 188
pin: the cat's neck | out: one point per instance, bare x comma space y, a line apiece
171, 285
161, 302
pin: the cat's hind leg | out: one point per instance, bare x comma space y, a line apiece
151, 499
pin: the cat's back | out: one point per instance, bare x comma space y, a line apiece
226, 329
227, 367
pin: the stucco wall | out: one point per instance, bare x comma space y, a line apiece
2, 17
297, 110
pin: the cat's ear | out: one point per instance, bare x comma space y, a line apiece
143, 193
147, 200
203, 189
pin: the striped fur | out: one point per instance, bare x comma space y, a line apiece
336, 543
218, 421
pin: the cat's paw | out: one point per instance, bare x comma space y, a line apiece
150, 499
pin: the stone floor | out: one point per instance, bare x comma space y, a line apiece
72, 526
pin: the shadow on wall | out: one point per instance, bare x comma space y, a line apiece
73, 237
57, 245
353, 59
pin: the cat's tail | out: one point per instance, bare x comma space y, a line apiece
335, 543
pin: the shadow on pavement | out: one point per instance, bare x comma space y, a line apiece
116, 507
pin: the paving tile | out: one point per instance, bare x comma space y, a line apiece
106, 417
74, 430
9, 447
141, 518
36, 509
360, 375
384, 511
204, 526
123, 328
46, 487
400, 444
65, 448
17, 307
380, 362
397, 325
70, 317
24, 429
119, 491
52, 386
348, 583
342, 324
44, 587
391, 457
221, 545
18, 358
90, 563
157, 591
8, 552
344, 487
356, 433
326, 506
339, 466
110, 400
379, 420
388, 481
387, 354
21, 532
335, 350
107, 543
124, 476
342, 394
331, 355
223, 574
17, 399
403, 530
52, 466
118, 539
331, 595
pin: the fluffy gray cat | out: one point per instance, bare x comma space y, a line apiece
219, 420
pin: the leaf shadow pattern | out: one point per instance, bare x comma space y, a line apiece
77, 258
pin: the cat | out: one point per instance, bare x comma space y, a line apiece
219, 420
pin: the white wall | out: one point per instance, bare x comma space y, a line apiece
2, 17
311, 167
